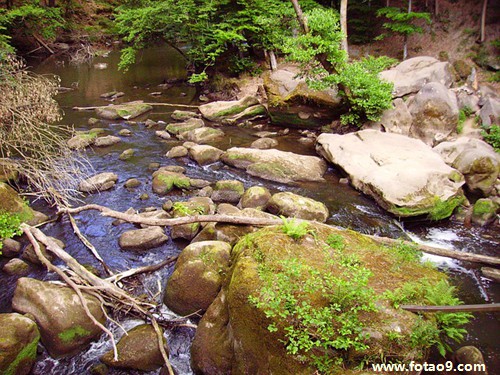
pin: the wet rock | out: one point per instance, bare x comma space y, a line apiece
204, 154
275, 165
197, 277
265, 134
264, 143
163, 134
435, 113
177, 152
16, 267
475, 159
218, 111
228, 191
100, 182
374, 160
199, 183
205, 192
484, 211
29, 253
137, 350
164, 181
194, 206
181, 127
202, 135
19, 338
127, 154
153, 166
142, 239
64, 326
397, 119
293, 205
144, 197
93, 121
106, 141
132, 183
10, 248
255, 197
412, 74
491, 273
150, 124
125, 132
124, 111
470, 355
174, 168
84, 139
179, 115
249, 114
108, 95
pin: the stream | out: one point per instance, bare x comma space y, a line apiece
348, 208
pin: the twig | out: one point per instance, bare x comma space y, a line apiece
164, 354
43, 44
486, 307
135, 271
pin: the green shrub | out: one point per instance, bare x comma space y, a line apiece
9, 226
492, 136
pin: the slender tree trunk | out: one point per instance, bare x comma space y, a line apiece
343, 25
388, 3
405, 46
436, 8
300, 16
483, 21
272, 60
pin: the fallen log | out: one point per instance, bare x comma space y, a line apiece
486, 307
137, 219
153, 104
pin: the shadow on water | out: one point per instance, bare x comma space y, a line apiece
348, 208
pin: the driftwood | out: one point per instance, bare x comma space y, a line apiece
137, 219
487, 307
153, 104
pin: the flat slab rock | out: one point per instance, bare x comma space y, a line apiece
405, 176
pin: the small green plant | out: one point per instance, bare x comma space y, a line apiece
336, 242
463, 114
408, 252
9, 226
183, 209
295, 229
492, 136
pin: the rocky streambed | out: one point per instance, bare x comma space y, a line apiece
170, 163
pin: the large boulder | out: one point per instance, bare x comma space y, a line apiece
292, 103
411, 75
202, 135
293, 205
142, 239
490, 112
405, 176
197, 277
205, 154
186, 126
12, 203
165, 180
100, 182
475, 159
289, 292
138, 349
435, 113
276, 165
64, 325
19, 338
218, 111
397, 119
255, 197
124, 111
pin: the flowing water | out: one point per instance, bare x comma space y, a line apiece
348, 208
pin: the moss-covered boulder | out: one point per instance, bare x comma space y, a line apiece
205, 154
484, 210
64, 326
275, 165
137, 350
294, 205
165, 180
179, 115
323, 302
375, 161
228, 191
124, 111
84, 139
255, 197
8, 170
197, 277
16, 267
186, 126
19, 338
251, 113
475, 159
177, 152
194, 206
142, 239
218, 111
12, 203
202, 135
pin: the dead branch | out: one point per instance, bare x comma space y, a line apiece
136, 271
153, 104
485, 307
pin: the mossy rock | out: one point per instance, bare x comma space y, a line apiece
218, 111
12, 203
205, 154
124, 111
197, 277
195, 206
484, 210
19, 338
293, 205
255, 197
164, 181
137, 350
202, 135
251, 113
84, 139
240, 333
179, 115
228, 191
182, 127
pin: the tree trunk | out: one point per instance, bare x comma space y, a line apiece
272, 60
343, 25
300, 16
405, 46
483, 20
436, 8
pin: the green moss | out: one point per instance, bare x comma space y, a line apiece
171, 180
271, 169
483, 207
234, 110
73, 333
230, 185
444, 209
28, 353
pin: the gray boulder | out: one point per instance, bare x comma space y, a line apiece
100, 182
375, 160
397, 119
275, 165
490, 112
228, 191
475, 159
202, 135
197, 277
64, 326
255, 197
204, 154
142, 239
19, 338
435, 113
411, 75
106, 141
182, 127
218, 111
293, 205
124, 111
